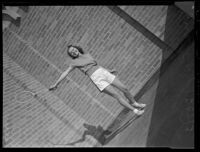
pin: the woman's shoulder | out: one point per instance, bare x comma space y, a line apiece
73, 62
77, 62
86, 58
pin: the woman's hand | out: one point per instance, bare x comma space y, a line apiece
52, 87
114, 71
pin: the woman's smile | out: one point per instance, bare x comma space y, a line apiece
74, 51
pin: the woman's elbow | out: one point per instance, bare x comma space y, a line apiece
71, 67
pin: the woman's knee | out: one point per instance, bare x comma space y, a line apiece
124, 89
110, 91
118, 84
117, 96
114, 95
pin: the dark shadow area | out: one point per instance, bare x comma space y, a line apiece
173, 115
97, 132
102, 136
178, 24
172, 122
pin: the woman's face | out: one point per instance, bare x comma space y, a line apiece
74, 51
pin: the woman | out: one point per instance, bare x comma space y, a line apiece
103, 78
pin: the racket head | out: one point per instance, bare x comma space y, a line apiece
24, 97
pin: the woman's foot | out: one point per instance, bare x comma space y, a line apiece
139, 105
138, 112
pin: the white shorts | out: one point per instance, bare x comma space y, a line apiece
102, 78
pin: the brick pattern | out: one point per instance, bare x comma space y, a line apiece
36, 121
38, 47
168, 23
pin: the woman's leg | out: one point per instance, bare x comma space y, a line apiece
112, 92
118, 84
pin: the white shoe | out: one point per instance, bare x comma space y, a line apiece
139, 105
138, 112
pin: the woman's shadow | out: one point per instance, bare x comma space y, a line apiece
97, 132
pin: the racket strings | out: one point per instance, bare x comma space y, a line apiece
24, 96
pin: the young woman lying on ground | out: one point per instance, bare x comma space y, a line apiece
103, 78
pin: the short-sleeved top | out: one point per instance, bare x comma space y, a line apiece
85, 63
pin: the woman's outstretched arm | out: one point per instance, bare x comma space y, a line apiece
63, 75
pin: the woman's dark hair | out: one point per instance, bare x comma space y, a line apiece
77, 47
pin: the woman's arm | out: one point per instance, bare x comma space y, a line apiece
64, 74
113, 71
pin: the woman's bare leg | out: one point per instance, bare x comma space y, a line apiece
118, 84
112, 92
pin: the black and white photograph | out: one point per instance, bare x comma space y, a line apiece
98, 75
